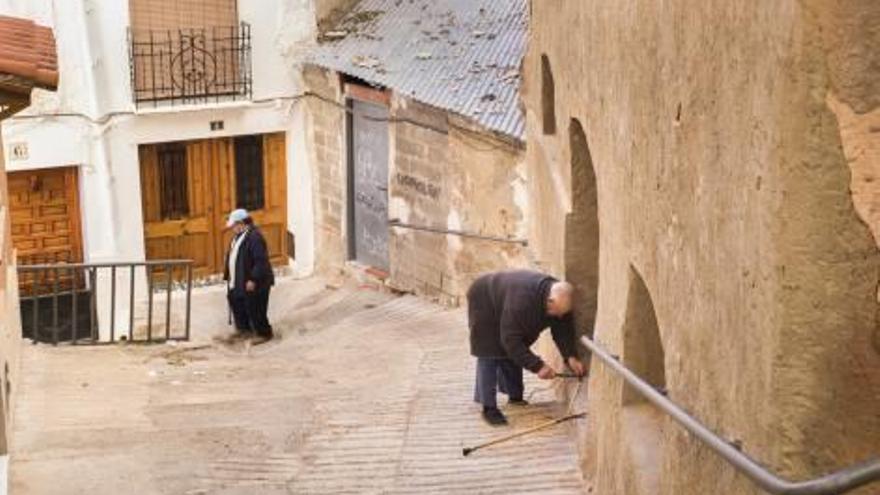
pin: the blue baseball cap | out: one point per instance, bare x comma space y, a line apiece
237, 216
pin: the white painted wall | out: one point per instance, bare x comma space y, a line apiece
92, 122
4, 478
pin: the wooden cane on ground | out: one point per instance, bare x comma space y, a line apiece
568, 416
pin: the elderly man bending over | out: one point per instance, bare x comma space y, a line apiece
507, 311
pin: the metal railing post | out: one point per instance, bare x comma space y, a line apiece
55, 306
149, 303
188, 298
36, 307
74, 303
112, 303
168, 279
93, 303
132, 276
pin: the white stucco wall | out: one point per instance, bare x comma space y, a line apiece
91, 121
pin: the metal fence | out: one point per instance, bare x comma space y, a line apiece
190, 66
835, 483
61, 301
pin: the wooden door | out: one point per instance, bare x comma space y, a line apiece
221, 175
252, 174
45, 221
45, 217
178, 203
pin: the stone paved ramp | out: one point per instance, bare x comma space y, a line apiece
365, 393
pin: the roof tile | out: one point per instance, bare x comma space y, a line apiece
28, 51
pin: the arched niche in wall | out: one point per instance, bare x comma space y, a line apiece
582, 230
642, 346
548, 96
642, 423
4, 405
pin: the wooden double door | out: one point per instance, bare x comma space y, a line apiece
188, 189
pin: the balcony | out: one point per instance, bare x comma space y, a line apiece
190, 66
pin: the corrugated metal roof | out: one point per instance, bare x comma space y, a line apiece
459, 55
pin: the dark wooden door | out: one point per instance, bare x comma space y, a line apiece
368, 147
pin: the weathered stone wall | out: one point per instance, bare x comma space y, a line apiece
443, 174
10, 325
446, 174
720, 139
327, 12
326, 151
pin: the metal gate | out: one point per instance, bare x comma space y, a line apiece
368, 190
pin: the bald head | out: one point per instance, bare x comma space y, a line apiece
559, 300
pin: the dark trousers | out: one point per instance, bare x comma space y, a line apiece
495, 374
249, 310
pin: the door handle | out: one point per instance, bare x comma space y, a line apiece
382, 188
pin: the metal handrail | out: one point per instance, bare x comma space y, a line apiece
67, 266
834, 483
439, 230
54, 277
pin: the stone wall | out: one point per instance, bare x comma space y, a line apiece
326, 153
327, 12
731, 147
448, 175
443, 174
10, 325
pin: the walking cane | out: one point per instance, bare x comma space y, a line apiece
228, 306
467, 450
568, 416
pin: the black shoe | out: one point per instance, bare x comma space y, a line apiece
494, 417
261, 338
233, 338
520, 402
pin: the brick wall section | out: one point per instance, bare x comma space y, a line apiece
446, 175
173, 14
326, 128
440, 176
10, 325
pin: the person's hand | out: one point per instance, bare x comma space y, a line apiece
546, 373
577, 366
250, 286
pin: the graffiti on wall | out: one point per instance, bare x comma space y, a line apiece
418, 185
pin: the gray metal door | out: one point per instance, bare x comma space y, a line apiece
368, 155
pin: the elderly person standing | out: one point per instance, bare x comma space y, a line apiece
507, 311
249, 278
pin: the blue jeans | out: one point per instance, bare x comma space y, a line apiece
495, 374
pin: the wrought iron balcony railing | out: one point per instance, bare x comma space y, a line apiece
190, 66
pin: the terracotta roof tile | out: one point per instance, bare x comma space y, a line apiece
28, 51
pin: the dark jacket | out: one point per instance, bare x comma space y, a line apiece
252, 263
506, 314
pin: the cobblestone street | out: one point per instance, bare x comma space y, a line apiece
363, 393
